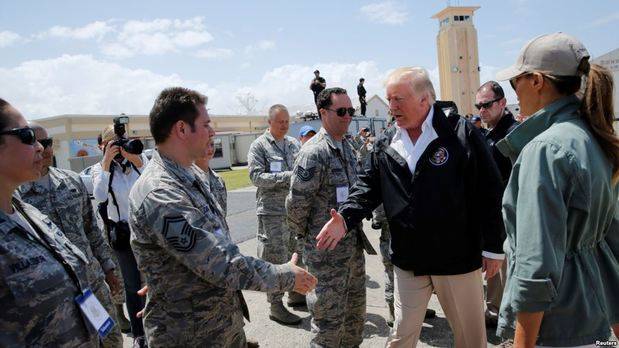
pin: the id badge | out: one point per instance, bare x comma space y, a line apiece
276, 167
95, 313
341, 193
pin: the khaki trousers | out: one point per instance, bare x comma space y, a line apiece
461, 296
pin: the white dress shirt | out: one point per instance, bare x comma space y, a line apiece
404, 146
121, 185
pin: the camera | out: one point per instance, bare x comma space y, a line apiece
132, 146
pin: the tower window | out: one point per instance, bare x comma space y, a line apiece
456, 18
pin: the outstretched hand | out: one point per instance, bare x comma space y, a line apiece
491, 267
331, 232
304, 281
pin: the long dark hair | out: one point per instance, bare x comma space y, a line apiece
596, 108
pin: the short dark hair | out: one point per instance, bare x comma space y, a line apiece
172, 105
323, 101
316, 71
361, 79
494, 87
6, 120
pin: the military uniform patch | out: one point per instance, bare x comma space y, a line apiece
439, 157
178, 233
305, 174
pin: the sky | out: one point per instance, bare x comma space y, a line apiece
82, 57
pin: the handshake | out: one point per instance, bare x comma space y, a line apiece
304, 281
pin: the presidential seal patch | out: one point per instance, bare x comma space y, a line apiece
439, 157
178, 233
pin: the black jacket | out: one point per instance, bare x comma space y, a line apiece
505, 125
447, 213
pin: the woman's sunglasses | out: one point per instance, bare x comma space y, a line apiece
47, 142
341, 112
25, 135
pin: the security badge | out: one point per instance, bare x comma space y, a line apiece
439, 157
95, 313
275, 166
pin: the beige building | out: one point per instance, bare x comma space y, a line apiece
458, 59
76, 135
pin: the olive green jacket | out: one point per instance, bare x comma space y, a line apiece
562, 223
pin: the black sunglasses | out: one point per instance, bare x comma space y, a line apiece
25, 135
513, 80
487, 104
341, 112
47, 142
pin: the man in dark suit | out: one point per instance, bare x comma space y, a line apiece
361, 92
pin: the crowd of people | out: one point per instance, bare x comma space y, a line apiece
530, 206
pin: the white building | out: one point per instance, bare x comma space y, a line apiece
377, 107
610, 61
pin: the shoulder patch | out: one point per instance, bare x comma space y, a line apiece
178, 232
305, 174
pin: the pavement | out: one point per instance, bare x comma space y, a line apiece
243, 225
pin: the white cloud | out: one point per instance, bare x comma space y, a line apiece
214, 53
386, 12
96, 30
263, 45
82, 84
8, 38
156, 37
602, 21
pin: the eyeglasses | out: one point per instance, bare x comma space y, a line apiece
513, 80
341, 112
25, 135
487, 104
47, 142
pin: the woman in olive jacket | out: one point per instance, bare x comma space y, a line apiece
560, 207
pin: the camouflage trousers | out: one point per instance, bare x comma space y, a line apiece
385, 241
337, 305
276, 244
114, 339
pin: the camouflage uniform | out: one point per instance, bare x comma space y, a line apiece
380, 219
193, 270
337, 304
270, 168
65, 201
36, 292
217, 187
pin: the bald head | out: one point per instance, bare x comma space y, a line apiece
418, 79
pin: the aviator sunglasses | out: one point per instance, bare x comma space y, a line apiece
25, 135
487, 104
341, 112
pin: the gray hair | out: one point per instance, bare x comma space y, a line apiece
275, 108
418, 78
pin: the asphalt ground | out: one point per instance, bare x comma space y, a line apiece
243, 225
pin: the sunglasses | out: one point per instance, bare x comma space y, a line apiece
47, 142
25, 135
487, 104
513, 80
341, 112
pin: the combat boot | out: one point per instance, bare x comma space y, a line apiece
280, 314
296, 300
391, 318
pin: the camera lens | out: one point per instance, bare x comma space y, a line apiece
133, 146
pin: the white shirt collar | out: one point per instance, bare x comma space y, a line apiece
404, 146
425, 127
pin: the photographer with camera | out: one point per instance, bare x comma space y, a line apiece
113, 178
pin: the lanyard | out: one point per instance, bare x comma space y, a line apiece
342, 158
282, 152
47, 245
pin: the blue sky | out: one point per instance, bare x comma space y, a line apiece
61, 57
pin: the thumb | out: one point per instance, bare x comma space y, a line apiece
294, 258
334, 214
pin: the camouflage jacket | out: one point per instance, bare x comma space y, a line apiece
68, 206
321, 174
217, 187
192, 268
270, 169
36, 292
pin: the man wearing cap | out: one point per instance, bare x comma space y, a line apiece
490, 102
361, 93
317, 85
270, 159
306, 133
